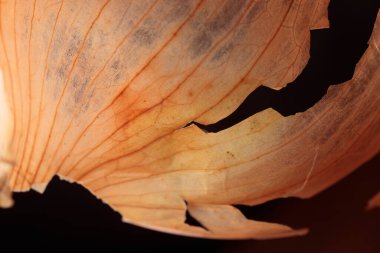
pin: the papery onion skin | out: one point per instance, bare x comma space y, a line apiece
100, 91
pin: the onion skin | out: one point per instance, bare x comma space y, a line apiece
374, 202
99, 92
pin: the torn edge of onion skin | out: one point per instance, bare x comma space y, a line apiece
189, 230
373, 203
206, 233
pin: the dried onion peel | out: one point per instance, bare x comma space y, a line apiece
99, 92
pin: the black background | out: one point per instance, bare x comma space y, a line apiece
67, 216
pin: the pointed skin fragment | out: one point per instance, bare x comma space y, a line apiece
374, 202
227, 222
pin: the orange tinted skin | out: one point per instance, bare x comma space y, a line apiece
100, 91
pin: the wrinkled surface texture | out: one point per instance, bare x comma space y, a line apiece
100, 92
